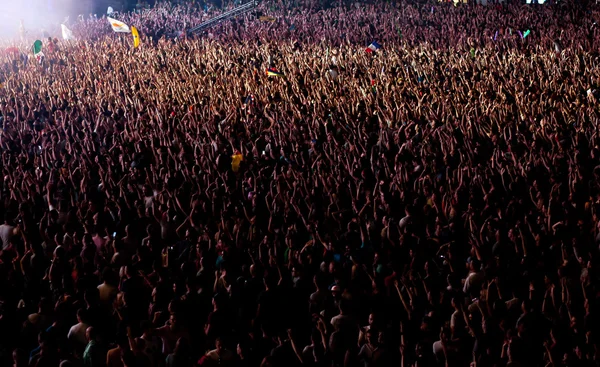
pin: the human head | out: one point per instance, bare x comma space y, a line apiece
122, 341
90, 334
218, 345
181, 347
19, 357
81, 315
128, 359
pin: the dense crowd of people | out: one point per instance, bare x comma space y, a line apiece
432, 203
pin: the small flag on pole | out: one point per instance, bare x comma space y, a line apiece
118, 26
67, 34
273, 72
37, 47
526, 33
374, 46
136, 37
37, 50
557, 47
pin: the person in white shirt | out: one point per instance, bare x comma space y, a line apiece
77, 334
152, 343
407, 219
474, 280
362, 336
344, 321
107, 291
7, 232
369, 349
220, 353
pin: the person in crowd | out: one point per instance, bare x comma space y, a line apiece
94, 354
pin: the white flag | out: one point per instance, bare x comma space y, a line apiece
110, 10
557, 47
118, 26
334, 74
67, 34
39, 56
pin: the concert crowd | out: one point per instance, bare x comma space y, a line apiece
268, 193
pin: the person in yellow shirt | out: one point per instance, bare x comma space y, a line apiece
236, 159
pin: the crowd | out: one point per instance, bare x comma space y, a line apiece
432, 203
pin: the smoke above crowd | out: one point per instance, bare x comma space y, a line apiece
34, 17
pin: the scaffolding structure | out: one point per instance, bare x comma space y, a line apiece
242, 9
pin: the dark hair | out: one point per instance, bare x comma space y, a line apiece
122, 341
108, 276
345, 305
60, 252
82, 314
527, 304
92, 333
21, 354
182, 348
128, 359
43, 336
146, 325
219, 300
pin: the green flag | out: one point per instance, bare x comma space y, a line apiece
472, 52
37, 47
526, 33
37, 51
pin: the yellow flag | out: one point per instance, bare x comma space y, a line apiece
136, 36
267, 19
236, 159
